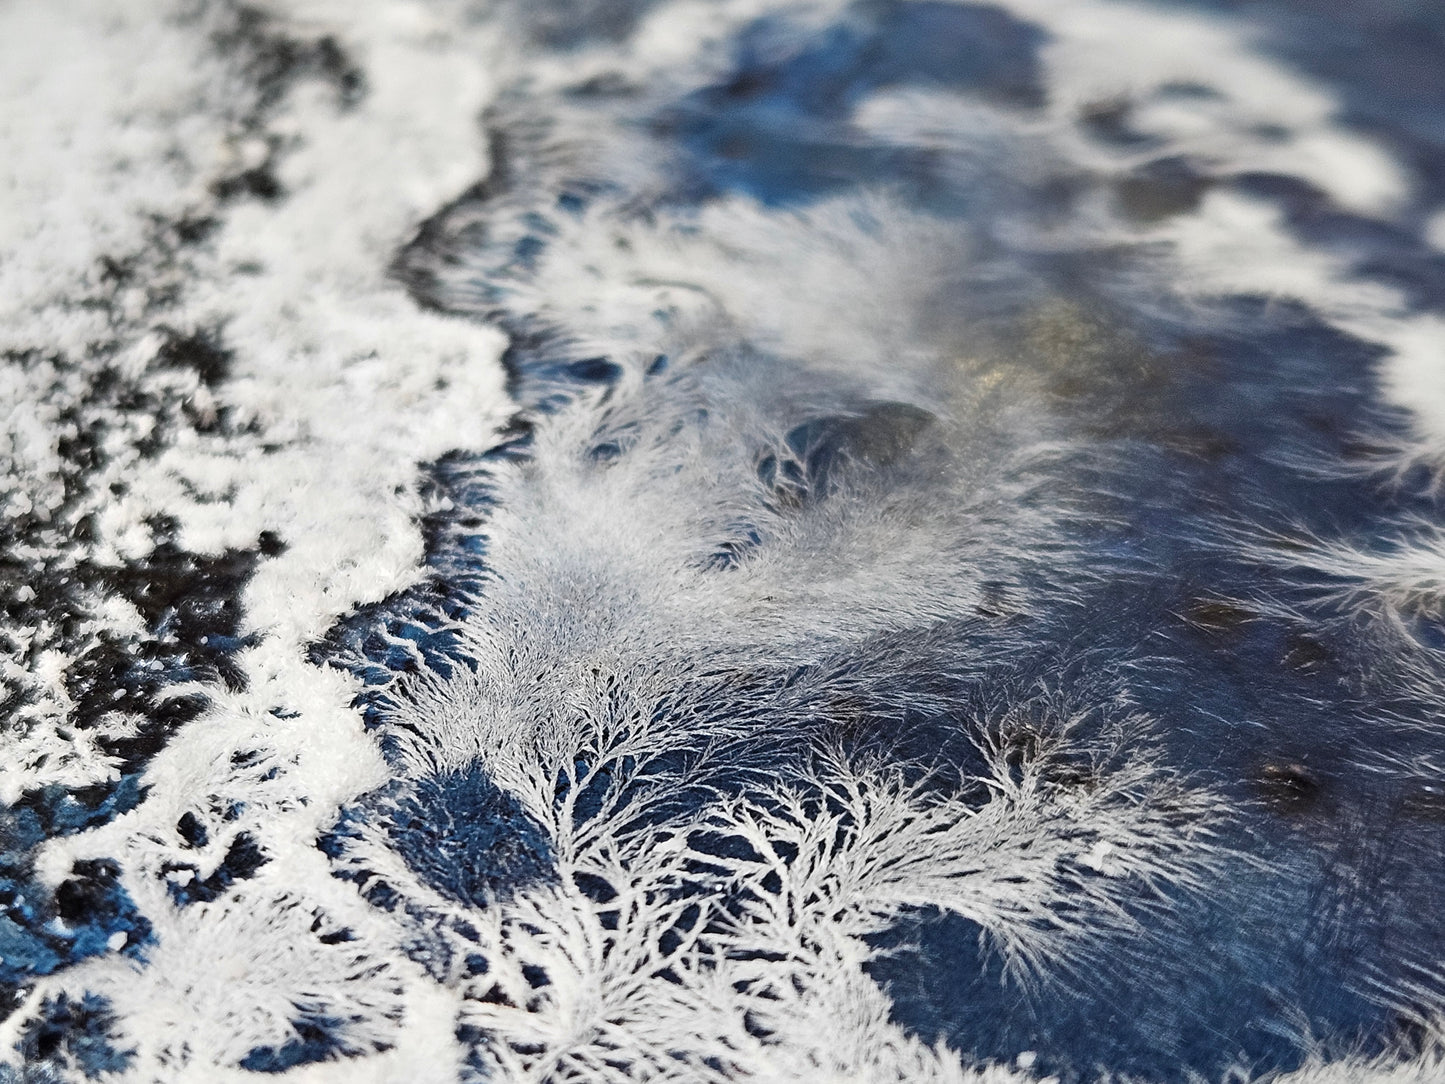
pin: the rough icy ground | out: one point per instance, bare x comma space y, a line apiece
727, 540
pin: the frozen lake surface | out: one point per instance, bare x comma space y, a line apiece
723, 540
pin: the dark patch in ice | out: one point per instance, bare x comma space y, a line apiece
76, 1034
